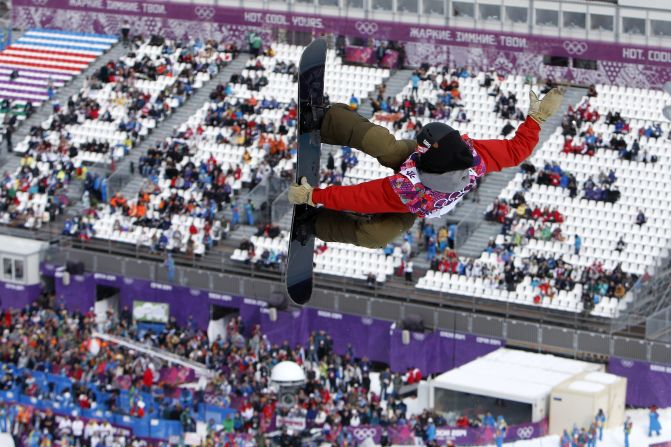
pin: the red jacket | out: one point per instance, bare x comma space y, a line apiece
377, 196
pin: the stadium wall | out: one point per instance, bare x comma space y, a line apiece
620, 64
376, 339
647, 383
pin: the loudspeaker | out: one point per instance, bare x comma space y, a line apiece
272, 314
75, 267
278, 300
413, 323
287, 398
405, 336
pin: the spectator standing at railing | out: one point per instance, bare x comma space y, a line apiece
249, 212
451, 236
415, 80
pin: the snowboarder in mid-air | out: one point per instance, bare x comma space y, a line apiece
430, 176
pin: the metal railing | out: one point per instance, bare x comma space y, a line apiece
466, 227
281, 206
521, 326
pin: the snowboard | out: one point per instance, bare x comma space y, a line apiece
300, 260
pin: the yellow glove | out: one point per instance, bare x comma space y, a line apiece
301, 194
542, 109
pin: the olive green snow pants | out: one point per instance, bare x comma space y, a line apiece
344, 127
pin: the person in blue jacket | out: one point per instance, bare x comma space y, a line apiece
501, 429
655, 426
600, 420
627, 430
249, 212
430, 431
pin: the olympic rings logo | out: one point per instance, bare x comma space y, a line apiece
366, 27
362, 434
575, 47
204, 12
525, 432
40, 2
627, 363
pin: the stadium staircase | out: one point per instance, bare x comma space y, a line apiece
129, 185
472, 213
41, 113
395, 85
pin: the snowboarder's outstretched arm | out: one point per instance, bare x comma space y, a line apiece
499, 154
377, 196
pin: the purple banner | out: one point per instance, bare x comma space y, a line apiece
461, 436
18, 296
620, 64
647, 383
367, 56
367, 337
176, 375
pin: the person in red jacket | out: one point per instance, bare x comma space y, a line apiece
431, 175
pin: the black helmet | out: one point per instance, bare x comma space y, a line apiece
445, 149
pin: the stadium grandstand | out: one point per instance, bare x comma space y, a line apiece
148, 183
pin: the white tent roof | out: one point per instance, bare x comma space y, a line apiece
584, 386
20, 246
513, 375
602, 377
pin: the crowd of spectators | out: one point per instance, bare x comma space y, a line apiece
122, 93
45, 338
588, 141
444, 80
603, 189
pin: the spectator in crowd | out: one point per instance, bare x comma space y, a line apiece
620, 245
640, 218
353, 102
415, 80
628, 424
507, 129
591, 91
577, 244
125, 33
255, 44
654, 426
501, 430
249, 212
407, 269
600, 420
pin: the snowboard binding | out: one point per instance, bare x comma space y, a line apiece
304, 226
313, 112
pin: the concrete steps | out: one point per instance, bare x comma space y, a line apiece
397, 82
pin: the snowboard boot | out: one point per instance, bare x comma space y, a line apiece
304, 226
312, 113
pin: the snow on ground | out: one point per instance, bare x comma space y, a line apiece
614, 437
